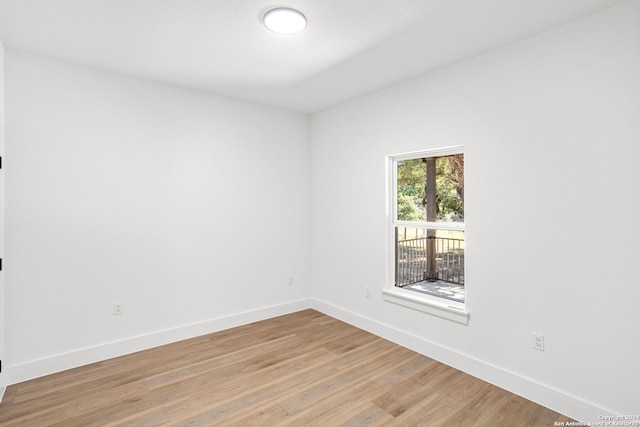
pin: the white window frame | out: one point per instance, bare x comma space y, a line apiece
442, 307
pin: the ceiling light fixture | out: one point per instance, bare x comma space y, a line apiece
285, 20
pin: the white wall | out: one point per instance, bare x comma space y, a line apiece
2, 201
551, 132
186, 207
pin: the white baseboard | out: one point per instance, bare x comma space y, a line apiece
61, 362
541, 394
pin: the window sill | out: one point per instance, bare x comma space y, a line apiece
432, 305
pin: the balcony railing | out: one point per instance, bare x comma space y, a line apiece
429, 258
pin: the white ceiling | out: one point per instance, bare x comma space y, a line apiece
350, 47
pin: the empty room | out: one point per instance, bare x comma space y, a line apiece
241, 212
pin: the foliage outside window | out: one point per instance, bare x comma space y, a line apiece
428, 220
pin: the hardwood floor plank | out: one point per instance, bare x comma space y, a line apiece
215, 384
371, 416
353, 395
302, 369
217, 401
333, 387
435, 406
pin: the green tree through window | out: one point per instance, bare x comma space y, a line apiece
415, 190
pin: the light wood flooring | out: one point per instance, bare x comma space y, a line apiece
302, 369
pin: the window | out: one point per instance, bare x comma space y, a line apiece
426, 227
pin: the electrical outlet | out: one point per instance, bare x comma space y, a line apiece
290, 280
538, 341
367, 292
117, 308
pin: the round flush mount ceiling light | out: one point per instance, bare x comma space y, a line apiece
285, 20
